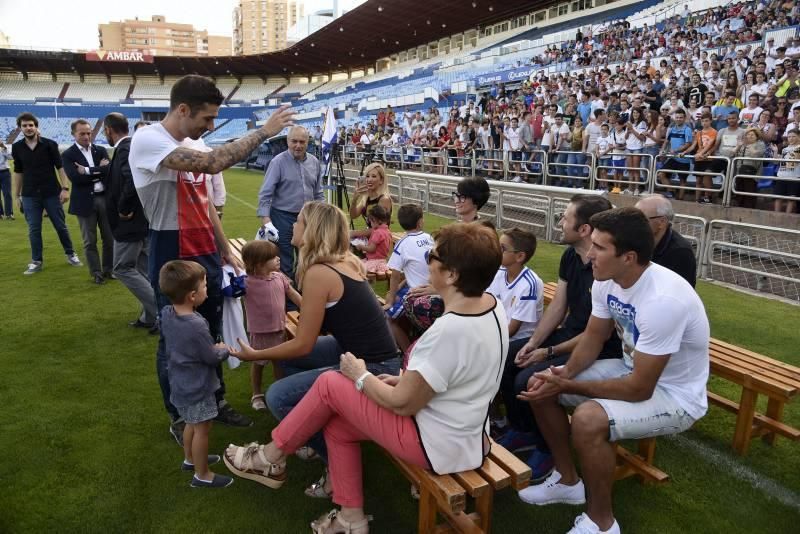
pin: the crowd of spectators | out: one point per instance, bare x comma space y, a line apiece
668, 99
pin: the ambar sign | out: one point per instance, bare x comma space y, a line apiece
121, 55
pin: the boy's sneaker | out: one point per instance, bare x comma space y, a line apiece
176, 430
33, 267
616, 190
73, 260
551, 491
584, 525
541, 464
219, 481
306, 453
229, 416
516, 441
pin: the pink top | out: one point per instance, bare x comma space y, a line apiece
382, 238
265, 303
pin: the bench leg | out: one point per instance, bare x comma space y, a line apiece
744, 421
647, 449
483, 506
774, 411
427, 511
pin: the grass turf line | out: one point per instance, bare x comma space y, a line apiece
86, 447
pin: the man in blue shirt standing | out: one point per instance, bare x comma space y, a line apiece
676, 143
293, 178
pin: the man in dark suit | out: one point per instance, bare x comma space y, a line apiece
86, 165
128, 223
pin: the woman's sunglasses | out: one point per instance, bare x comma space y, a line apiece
430, 256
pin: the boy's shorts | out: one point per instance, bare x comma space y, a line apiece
605, 162
396, 310
657, 416
619, 163
200, 412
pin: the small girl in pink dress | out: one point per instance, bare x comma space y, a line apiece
265, 304
380, 241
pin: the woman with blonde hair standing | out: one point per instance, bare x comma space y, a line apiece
372, 190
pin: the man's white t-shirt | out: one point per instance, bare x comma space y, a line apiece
408, 256
461, 357
750, 116
155, 184
661, 314
592, 131
522, 299
512, 141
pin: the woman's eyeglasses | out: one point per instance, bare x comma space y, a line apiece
430, 256
458, 197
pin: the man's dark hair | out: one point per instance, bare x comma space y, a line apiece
522, 241
408, 216
586, 206
475, 188
117, 123
680, 111
78, 122
140, 124
194, 91
473, 251
27, 117
629, 230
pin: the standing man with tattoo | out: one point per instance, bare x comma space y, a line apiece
171, 182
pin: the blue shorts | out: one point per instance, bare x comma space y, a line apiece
396, 310
619, 162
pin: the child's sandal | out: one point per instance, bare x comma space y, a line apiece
258, 403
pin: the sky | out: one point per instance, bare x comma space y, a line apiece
74, 25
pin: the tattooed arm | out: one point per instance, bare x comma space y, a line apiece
219, 159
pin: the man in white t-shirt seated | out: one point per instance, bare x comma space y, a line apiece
657, 388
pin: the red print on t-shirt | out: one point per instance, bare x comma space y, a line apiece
195, 233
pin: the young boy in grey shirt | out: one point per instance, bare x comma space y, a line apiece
193, 359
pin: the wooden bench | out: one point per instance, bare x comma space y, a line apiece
237, 244
629, 463
757, 375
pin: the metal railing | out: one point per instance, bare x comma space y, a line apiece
559, 168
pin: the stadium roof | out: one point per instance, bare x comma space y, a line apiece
373, 30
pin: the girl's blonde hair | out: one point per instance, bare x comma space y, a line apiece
383, 189
326, 239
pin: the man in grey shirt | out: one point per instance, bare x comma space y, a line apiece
293, 178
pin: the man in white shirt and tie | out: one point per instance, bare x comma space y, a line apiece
86, 165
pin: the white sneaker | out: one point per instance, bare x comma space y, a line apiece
306, 453
33, 267
584, 525
627, 191
73, 260
551, 491
517, 179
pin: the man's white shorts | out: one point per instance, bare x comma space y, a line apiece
657, 416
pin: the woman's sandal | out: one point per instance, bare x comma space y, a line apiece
240, 461
258, 403
317, 489
332, 523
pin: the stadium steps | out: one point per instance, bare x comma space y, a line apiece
63, 92
96, 129
12, 136
220, 125
233, 92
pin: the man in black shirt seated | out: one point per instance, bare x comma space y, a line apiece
672, 251
557, 333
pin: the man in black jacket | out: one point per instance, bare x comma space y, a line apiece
672, 251
128, 223
86, 165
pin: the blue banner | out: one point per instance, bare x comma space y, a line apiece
506, 76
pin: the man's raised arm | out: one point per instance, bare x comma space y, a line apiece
219, 159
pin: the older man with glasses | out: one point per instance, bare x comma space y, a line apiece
672, 250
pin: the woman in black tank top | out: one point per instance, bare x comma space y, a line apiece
337, 300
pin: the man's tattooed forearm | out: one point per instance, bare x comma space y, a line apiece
186, 159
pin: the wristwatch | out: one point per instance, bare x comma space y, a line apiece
65, 188
550, 352
360, 381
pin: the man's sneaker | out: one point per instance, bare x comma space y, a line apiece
176, 430
616, 190
73, 260
219, 481
669, 194
516, 441
627, 191
33, 267
541, 464
229, 416
551, 491
584, 525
